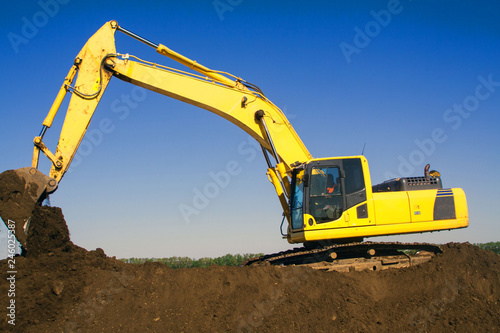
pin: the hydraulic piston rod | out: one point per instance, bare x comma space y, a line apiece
139, 38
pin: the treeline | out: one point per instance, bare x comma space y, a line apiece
185, 262
237, 259
491, 246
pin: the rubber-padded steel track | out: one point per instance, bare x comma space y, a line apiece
340, 254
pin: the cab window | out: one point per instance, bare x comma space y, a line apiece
354, 181
325, 194
297, 200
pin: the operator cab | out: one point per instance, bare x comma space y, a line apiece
323, 189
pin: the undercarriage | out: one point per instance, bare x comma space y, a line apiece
350, 257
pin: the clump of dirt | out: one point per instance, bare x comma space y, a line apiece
61, 287
48, 232
20, 191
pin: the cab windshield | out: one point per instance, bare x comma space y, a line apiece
325, 194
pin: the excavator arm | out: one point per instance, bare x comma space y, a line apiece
239, 102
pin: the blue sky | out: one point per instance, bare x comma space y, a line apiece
417, 81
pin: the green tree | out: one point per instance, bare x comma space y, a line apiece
491, 246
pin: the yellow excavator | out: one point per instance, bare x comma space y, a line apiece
326, 201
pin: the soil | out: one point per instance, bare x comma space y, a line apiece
15, 201
60, 287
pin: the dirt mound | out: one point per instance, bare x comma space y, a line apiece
60, 287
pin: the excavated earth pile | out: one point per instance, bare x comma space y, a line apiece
60, 287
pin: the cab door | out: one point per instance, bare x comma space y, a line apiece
324, 194
336, 188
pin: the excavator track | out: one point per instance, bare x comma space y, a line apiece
353, 256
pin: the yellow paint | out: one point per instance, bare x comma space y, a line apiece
391, 207
422, 205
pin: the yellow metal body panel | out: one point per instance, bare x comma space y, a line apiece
377, 230
346, 220
421, 205
461, 205
391, 207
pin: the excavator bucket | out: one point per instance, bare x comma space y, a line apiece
20, 191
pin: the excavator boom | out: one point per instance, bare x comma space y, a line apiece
98, 61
